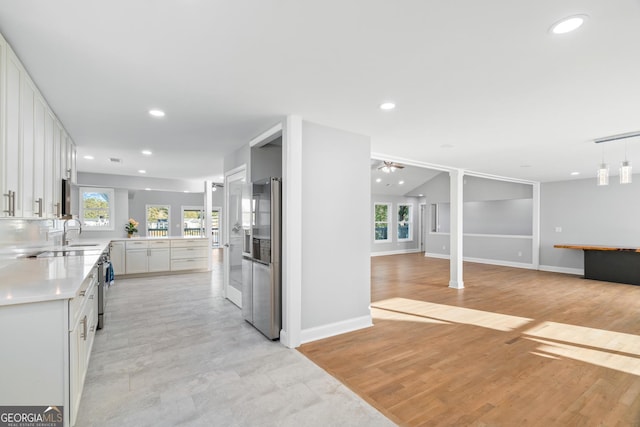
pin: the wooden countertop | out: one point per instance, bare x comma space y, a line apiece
597, 248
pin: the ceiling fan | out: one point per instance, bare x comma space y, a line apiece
388, 167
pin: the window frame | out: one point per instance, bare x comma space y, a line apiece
388, 222
409, 222
146, 218
111, 207
192, 208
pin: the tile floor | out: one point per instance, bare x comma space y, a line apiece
175, 352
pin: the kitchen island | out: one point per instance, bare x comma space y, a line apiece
48, 319
620, 264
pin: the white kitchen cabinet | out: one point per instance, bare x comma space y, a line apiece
83, 322
136, 257
50, 349
147, 256
189, 254
159, 256
32, 157
117, 255
12, 194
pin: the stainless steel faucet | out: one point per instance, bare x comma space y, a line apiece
65, 241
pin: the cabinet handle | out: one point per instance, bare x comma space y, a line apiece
11, 203
58, 206
39, 203
93, 327
84, 328
91, 296
83, 293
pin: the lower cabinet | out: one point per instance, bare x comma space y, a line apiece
147, 256
46, 348
83, 319
153, 256
117, 255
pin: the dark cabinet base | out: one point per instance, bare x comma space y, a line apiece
612, 266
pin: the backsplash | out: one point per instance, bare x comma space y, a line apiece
18, 234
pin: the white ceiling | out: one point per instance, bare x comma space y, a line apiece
479, 85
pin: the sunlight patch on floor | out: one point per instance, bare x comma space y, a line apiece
379, 314
607, 340
450, 313
619, 362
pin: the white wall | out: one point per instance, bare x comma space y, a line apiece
586, 214
138, 201
394, 246
336, 230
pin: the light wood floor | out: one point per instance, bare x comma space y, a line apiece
515, 347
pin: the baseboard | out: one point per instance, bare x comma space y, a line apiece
326, 331
501, 263
398, 252
565, 270
486, 261
433, 255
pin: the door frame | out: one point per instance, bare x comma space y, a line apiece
230, 293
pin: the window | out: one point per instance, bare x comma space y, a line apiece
381, 214
215, 227
192, 221
97, 208
158, 220
405, 222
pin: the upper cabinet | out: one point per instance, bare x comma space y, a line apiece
36, 152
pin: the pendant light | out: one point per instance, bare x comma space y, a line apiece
603, 172
625, 169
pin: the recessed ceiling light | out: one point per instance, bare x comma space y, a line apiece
420, 195
400, 182
575, 173
147, 189
387, 106
156, 113
147, 152
378, 179
89, 157
142, 171
569, 24
186, 191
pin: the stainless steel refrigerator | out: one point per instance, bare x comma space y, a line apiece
261, 269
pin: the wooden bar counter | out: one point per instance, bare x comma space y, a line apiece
609, 263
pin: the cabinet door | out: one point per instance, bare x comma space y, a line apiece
136, 261
116, 254
159, 260
12, 141
50, 179
39, 206
28, 139
57, 166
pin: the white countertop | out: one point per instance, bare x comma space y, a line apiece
160, 238
27, 280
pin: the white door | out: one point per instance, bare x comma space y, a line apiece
237, 232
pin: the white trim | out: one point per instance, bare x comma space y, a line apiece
565, 270
435, 255
500, 236
408, 162
337, 328
499, 177
502, 263
290, 335
228, 289
535, 241
411, 229
398, 252
267, 136
389, 206
112, 207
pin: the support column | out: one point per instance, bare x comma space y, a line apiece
456, 181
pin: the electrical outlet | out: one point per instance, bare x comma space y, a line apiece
558, 229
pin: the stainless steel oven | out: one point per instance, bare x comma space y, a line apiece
104, 264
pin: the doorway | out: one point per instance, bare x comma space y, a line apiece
237, 230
